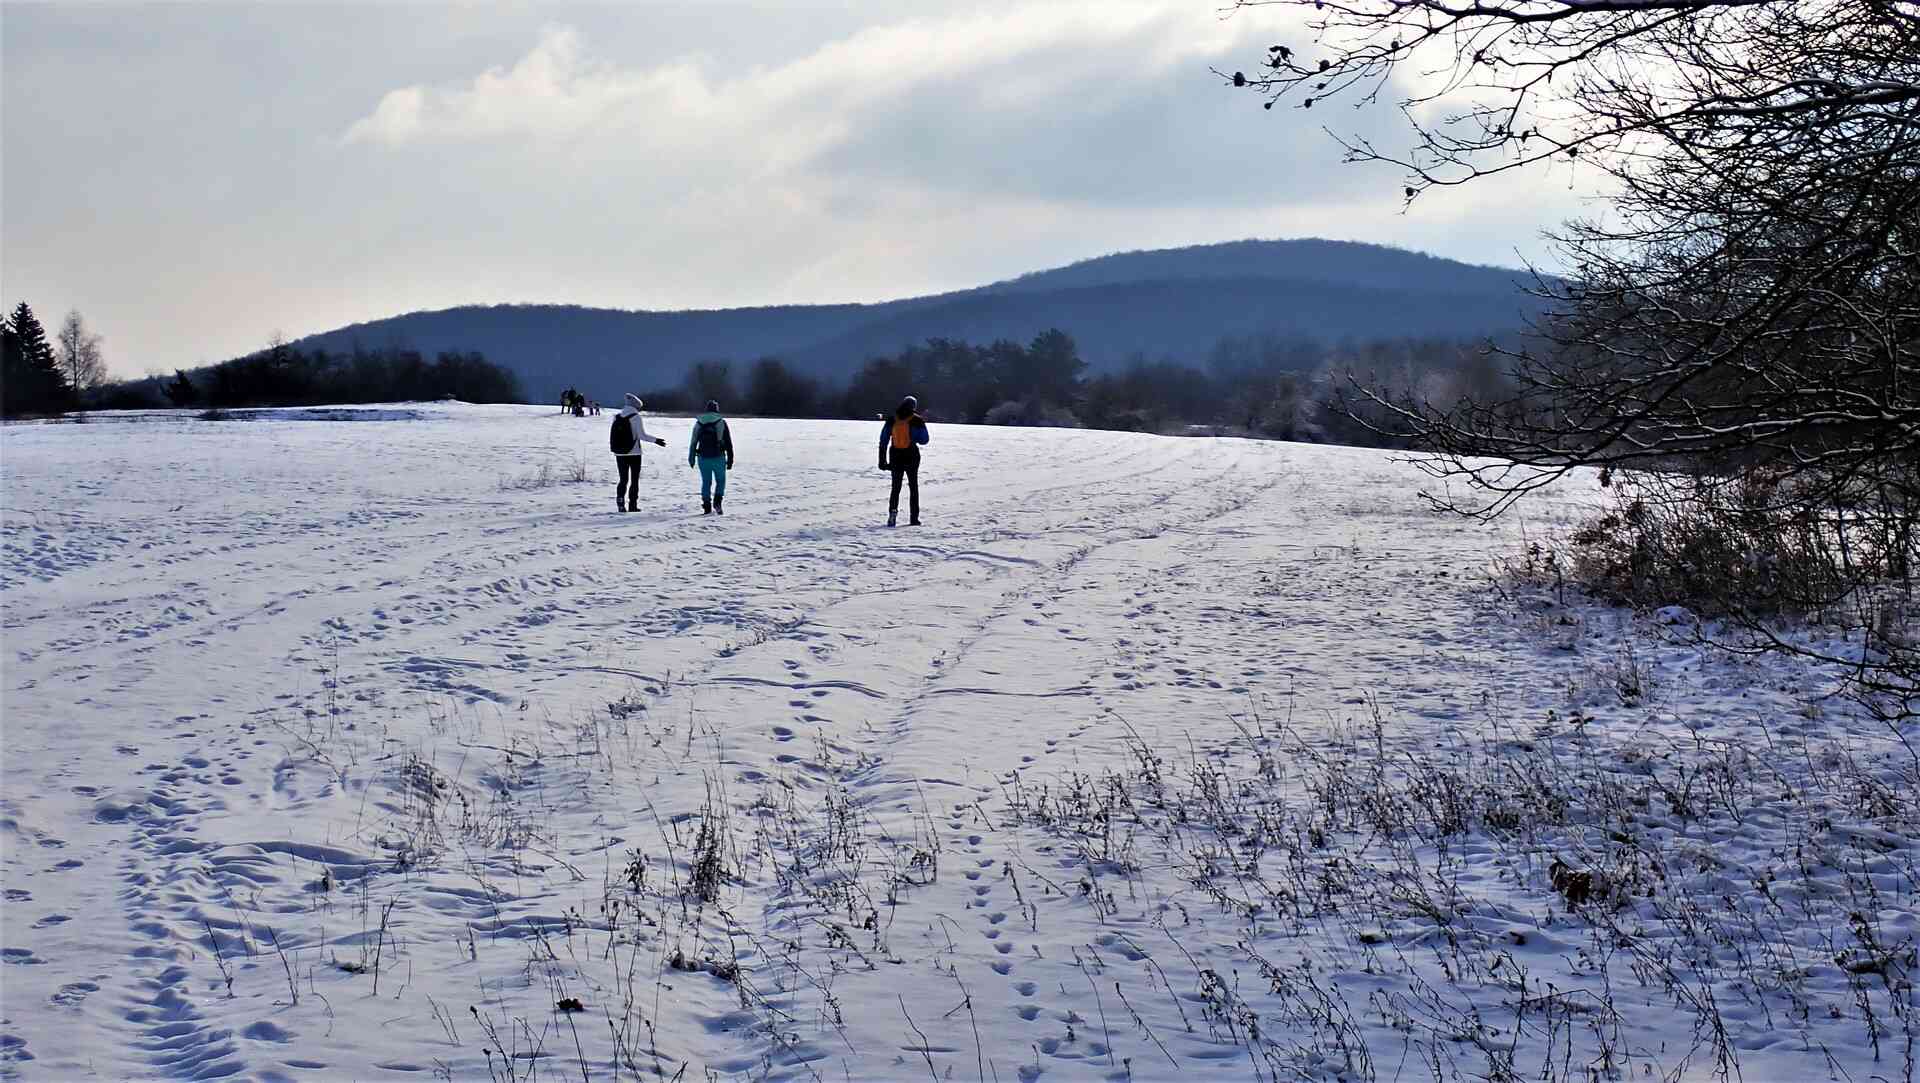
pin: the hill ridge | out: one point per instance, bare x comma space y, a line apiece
1161, 303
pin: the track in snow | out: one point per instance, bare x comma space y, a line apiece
290, 679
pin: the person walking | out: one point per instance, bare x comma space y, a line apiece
711, 449
625, 438
900, 442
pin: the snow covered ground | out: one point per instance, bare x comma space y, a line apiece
370, 749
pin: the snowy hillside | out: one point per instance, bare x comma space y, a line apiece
372, 749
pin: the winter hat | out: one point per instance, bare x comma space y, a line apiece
909, 404
713, 406
633, 400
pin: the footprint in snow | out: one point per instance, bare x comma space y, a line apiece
13, 1050
72, 993
266, 1031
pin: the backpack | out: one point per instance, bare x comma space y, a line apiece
708, 433
621, 438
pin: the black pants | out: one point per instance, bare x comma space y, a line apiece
905, 464
628, 490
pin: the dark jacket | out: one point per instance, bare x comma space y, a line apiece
916, 435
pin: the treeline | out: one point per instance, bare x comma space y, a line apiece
39, 376
1266, 386
283, 375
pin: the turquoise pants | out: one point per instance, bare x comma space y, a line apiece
713, 477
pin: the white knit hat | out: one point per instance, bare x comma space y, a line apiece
634, 400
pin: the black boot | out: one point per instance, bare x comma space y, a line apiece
706, 506
718, 507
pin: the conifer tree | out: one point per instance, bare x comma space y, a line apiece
30, 379
181, 390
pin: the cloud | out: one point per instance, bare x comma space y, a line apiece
914, 155
552, 92
652, 156
1108, 102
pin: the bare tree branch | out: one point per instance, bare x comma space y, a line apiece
1738, 341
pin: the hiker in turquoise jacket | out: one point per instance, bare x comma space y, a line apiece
711, 449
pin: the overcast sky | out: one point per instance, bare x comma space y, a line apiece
195, 177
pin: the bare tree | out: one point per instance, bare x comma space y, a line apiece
79, 355
1738, 339
1512, 83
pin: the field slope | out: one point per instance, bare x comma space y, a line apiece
381, 748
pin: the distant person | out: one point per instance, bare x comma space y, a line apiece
625, 438
566, 401
711, 449
900, 441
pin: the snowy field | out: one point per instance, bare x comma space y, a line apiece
373, 749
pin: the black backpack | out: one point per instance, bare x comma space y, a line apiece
621, 438
710, 445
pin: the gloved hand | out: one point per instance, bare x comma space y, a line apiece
883, 464
659, 441
690, 464
729, 462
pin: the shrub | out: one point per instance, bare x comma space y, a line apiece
1032, 413
1743, 544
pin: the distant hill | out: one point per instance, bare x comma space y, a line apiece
1168, 303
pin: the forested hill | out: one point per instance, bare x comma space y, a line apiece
1172, 303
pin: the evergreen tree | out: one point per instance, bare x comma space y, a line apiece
30, 378
1054, 366
711, 380
181, 391
775, 390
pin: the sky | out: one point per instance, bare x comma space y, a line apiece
197, 177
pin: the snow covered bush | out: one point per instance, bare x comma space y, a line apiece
1032, 413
